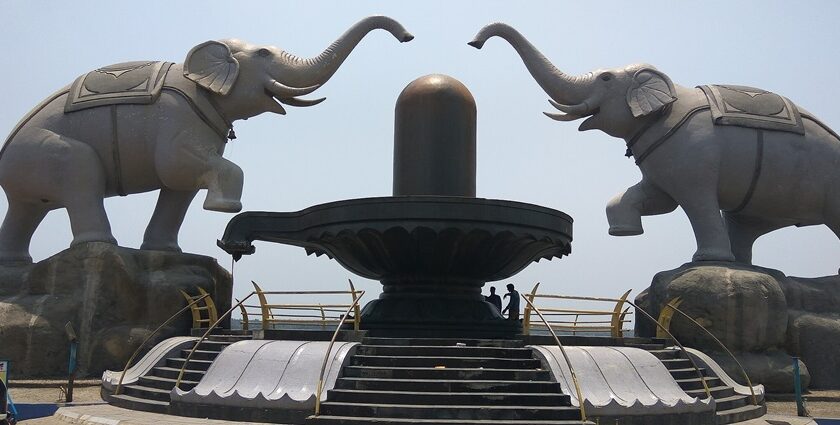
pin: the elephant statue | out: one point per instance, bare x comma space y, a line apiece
740, 161
140, 126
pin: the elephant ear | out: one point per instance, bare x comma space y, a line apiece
211, 65
650, 91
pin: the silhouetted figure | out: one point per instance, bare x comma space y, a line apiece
494, 299
513, 303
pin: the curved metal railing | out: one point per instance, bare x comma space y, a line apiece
719, 342
565, 356
149, 337
298, 313
204, 337
649, 317
320, 387
614, 326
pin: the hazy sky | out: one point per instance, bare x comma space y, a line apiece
342, 149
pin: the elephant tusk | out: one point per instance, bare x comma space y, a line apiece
579, 109
562, 117
283, 91
291, 101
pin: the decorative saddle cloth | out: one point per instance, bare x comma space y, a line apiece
128, 82
751, 107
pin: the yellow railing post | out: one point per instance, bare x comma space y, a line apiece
356, 311
617, 323
212, 314
244, 312
665, 316
196, 313
526, 321
266, 311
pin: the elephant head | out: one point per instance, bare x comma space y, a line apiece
248, 80
618, 102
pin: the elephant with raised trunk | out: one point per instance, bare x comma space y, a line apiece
140, 126
740, 161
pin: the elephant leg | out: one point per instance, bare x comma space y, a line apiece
224, 185
162, 231
743, 232
625, 210
21, 220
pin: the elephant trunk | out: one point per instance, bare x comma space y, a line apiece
562, 88
316, 71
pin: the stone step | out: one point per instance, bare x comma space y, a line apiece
448, 412
165, 383
445, 398
647, 347
686, 373
194, 364
443, 342
200, 355
445, 385
220, 331
449, 362
172, 373
676, 363
217, 346
228, 338
444, 351
740, 414
694, 383
146, 393
665, 354
717, 392
731, 402
137, 403
446, 373
345, 420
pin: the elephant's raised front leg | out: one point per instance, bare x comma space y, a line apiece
625, 210
162, 232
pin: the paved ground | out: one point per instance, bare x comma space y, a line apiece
88, 392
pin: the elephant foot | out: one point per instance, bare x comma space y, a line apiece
93, 237
160, 246
626, 231
222, 205
713, 255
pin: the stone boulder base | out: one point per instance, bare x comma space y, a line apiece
114, 297
760, 314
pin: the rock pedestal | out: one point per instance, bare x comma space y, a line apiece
761, 315
114, 297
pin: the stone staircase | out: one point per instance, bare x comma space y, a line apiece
730, 406
445, 381
151, 392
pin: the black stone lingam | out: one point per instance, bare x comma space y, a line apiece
433, 244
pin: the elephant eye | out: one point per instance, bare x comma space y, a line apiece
606, 76
263, 52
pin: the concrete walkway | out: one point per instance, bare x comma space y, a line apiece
103, 414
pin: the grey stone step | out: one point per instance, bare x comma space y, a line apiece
345, 420
147, 393
740, 414
665, 354
443, 385
165, 383
444, 398
717, 392
446, 373
172, 373
194, 364
209, 345
200, 354
686, 373
694, 383
445, 351
731, 402
676, 363
448, 412
450, 362
646, 346
228, 338
137, 403
444, 342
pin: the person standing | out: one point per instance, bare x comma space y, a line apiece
494, 299
513, 303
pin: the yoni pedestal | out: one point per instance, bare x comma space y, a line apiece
113, 296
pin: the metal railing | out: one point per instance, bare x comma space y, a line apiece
320, 387
290, 314
209, 307
672, 306
581, 319
565, 357
619, 303
149, 337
